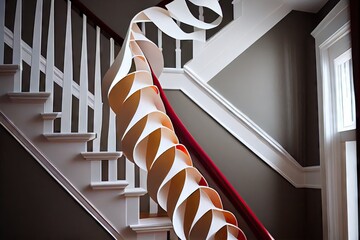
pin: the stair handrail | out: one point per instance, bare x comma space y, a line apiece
210, 167
186, 138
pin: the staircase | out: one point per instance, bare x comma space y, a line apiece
70, 144
49, 107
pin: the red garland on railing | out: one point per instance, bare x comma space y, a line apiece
187, 139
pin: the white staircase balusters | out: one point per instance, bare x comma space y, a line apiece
84, 82
177, 51
199, 45
160, 40
66, 107
112, 164
36, 49
238, 8
2, 30
49, 71
17, 48
98, 106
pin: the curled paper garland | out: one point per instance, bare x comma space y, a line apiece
147, 134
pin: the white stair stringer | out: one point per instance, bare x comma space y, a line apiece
61, 157
243, 129
258, 17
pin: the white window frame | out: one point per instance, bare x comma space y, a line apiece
333, 27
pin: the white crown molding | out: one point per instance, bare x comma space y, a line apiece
242, 128
57, 175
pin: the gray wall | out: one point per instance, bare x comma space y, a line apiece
33, 205
287, 212
274, 83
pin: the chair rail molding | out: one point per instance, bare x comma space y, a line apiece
241, 127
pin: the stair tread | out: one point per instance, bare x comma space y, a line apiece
29, 97
7, 69
70, 137
153, 224
133, 192
51, 115
96, 156
119, 184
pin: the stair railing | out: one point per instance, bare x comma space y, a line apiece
82, 109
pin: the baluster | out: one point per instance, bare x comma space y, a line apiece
68, 76
237, 8
96, 165
2, 30
17, 48
178, 51
83, 98
143, 28
198, 46
160, 39
112, 128
36, 49
143, 184
49, 72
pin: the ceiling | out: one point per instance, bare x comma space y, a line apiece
115, 12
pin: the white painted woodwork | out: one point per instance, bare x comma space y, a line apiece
102, 185
84, 81
17, 53
97, 94
330, 30
130, 173
8, 69
133, 192
199, 45
50, 116
98, 107
2, 30
351, 190
237, 8
69, 137
36, 49
152, 225
49, 72
143, 28
177, 51
160, 43
28, 97
66, 107
242, 128
112, 164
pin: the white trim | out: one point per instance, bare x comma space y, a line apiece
332, 28
120, 184
57, 175
242, 128
50, 116
147, 225
96, 156
8, 69
29, 97
133, 192
70, 137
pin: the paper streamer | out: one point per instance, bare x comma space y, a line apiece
146, 132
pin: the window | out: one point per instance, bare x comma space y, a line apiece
344, 92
